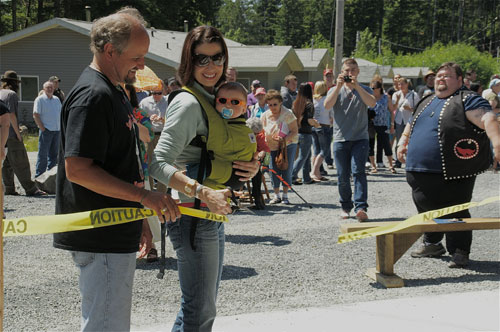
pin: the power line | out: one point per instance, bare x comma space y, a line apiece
475, 33
400, 45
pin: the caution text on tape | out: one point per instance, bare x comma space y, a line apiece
414, 220
35, 225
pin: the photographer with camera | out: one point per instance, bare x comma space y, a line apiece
350, 101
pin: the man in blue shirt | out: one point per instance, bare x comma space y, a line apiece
350, 101
446, 145
47, 113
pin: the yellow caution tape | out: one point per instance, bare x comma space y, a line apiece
416, 219
90, 219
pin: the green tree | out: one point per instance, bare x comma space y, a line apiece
367, 46
289, 29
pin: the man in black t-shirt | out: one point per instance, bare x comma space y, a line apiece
99, 167
4, 128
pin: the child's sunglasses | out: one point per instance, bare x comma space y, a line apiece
234, 102
202, 60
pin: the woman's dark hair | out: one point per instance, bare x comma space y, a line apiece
199, 35
132, 95
376, 84
304, 96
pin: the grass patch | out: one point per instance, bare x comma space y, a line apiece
30, 140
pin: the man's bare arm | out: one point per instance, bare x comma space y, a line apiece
85, 172
487, 120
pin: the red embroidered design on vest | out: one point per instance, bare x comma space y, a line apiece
466, 148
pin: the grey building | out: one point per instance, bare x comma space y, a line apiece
60, 47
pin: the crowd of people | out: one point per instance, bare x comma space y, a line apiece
201, 136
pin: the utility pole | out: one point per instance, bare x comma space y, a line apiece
312, 49
434, 24
460, 19
339, 38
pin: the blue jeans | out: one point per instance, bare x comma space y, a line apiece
48, 146
106, 281
350, 156
304, 160
286, 174
200, 271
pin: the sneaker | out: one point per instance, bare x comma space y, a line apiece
380, 165
361, 215
344, 214
285, 200
311, 181
12, 193
367, 164
296, 182
459, 259
275, 200
429, 250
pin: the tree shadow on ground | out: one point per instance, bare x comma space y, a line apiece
231, 272
253, 239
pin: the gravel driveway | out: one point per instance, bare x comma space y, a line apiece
284, 257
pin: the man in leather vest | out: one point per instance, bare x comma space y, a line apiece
446, 144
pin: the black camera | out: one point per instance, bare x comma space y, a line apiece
347, 79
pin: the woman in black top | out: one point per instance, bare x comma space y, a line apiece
303, 108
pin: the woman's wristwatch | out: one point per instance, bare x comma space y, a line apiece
190, 187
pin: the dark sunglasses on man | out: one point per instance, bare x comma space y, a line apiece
202, 60
156, 93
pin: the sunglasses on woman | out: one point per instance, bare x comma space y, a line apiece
202, 60
234, 102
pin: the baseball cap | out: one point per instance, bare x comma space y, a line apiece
327, 71
255, 82
54, 78
493, 82
260, 91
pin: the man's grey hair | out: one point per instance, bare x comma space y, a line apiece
115, 29
255, 125
47, 83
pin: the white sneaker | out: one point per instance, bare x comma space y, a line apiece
380, 165
344, 214
367, 164
275, 200
285, 200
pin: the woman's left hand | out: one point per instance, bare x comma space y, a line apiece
246, 170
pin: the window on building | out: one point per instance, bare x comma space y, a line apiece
28, 89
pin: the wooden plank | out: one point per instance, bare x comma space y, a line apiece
392, 281
353, 227
385, 254
429, 226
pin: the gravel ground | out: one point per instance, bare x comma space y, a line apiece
283, 258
